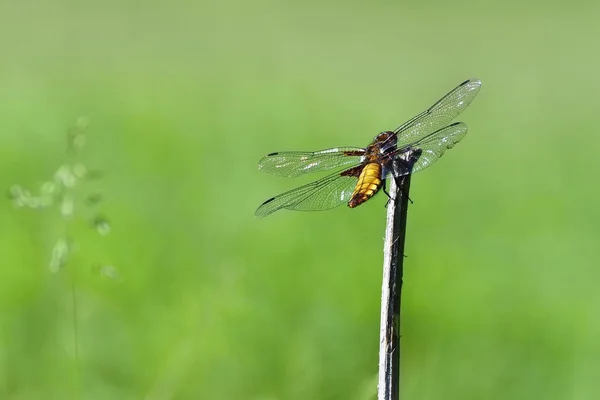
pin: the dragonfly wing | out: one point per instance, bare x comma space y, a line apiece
438, 115
431, 147
326, 193
296, 163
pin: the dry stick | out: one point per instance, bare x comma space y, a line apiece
388, 387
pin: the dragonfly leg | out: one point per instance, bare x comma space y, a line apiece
384, 182
388, 195
398, 183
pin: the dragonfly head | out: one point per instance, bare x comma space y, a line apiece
385, 141
385, 136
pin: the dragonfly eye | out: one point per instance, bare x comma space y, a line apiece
385, 135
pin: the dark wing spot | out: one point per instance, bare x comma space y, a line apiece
355, 171
268, 201
414, 156
354, 153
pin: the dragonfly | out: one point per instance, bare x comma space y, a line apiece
362, 172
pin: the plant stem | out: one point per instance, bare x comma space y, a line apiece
391, 290
71, 155
75, 334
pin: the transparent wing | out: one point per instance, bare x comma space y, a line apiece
438, 115
296, 163
326, 193
433, 146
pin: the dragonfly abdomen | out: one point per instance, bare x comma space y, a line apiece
368, 184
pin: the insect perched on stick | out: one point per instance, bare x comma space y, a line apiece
411, 147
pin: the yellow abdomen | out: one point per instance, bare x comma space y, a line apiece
368, 184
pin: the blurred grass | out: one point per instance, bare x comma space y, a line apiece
500, 297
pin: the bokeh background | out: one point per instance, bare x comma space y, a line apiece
191, 297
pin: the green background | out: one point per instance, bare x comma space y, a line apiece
501, 296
